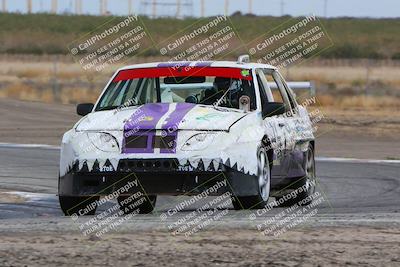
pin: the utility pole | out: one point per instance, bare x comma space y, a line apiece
202, 8
325, 8
178, 8
282, 7
78, 7
250, 6
130, 7
4, 6
154, 9
54, 6
103, 7
29, 6
226, 7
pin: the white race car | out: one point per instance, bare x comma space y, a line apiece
177, 128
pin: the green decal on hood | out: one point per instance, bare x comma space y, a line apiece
210, 116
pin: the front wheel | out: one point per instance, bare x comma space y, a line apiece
264, 183
78, 205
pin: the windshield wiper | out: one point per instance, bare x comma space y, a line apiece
117, 107
107, 108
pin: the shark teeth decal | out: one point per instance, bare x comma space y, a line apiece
216, 164
211, 167
191, 164
200, 166
220, 166
96, 166
108, 166
182, 162
80, 166
234, 167
85, 167
228, 162
207, 163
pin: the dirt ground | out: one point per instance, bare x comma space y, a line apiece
355, 133
6, 197
325, 246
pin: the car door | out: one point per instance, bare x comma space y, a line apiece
300, 133
273, 125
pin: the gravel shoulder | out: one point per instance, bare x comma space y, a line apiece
321, 246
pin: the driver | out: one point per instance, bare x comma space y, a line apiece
220, 85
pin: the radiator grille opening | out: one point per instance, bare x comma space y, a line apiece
164, 142
136, 141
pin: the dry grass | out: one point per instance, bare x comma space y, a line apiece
359, 101
370, 102
21, 91
46, 95
78, 95
30, 73
346, 76
33, 79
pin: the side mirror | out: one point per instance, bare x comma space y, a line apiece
84, 109
273, 109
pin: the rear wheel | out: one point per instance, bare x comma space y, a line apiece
264, 182
307, 182
78, 205
142, 205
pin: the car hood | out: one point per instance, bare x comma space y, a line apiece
161, 116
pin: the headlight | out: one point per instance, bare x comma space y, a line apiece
104, 142
198, 142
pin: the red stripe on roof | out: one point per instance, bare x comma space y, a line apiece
234, 73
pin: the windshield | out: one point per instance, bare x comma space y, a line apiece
226, 89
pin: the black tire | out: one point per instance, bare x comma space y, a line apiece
78, 205
308, 181
264, 181
144, 208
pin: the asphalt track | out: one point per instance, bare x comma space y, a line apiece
365, 192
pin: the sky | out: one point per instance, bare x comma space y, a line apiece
334, 8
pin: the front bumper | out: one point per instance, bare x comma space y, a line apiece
157, 176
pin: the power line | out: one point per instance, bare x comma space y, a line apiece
182, 7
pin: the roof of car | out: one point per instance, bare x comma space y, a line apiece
226, 64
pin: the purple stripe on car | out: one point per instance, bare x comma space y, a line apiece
203, 64
174, 64
171, 124
143, 123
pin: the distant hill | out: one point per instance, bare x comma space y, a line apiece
49, 34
